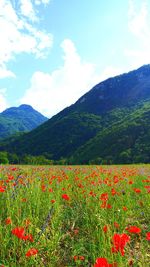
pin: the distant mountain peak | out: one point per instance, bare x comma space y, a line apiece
19, 119
26, 107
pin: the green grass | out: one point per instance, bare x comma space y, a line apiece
69, 232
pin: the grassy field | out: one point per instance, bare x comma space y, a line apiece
75, 216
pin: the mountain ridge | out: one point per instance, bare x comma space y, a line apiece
119, 102
19, 119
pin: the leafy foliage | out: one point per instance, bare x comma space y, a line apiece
126, 141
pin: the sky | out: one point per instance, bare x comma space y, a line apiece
54, 51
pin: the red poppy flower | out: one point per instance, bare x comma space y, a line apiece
19, 232
148, 236
113, 192
2, 189
104, 205
105, 228
31, 252
104, 196
102, 262
8, 221
137, 190
119, 242
81, 258
76, 231
133, 229
108, 206
28, 237
66, 197
75, 258
116, 224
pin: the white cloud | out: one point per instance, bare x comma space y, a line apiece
139, 27
51, 92
27, 9
19, 34
138, 19
4, 72
39, 2
3, 101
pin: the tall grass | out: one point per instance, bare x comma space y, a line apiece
69, 215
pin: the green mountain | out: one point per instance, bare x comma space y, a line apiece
19, 119
110, 123
126, 141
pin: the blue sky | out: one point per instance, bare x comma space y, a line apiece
54, 51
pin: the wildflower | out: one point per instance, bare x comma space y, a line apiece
81, 258
14, 169
76, 231
31, 252
2, 189
8, 221
116, 225
113, 192
148, 188
66, 197
75, 258
92, 194
80, 185
137, 190
104, 197
108, 206
19, 232
104, 204
43, 188
119, 242
105, 228
28, 237
148, 236
124, 208
53, 201
133, 229
102, 262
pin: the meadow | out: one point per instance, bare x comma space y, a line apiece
63, 216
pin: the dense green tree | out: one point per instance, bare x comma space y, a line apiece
4, 158
13, 158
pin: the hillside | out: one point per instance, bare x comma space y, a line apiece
127, 141
110, 123
19, 119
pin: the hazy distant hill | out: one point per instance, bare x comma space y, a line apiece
109, 123
19, 119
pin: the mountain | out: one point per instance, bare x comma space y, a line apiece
127, 141
110, 123
19, 119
